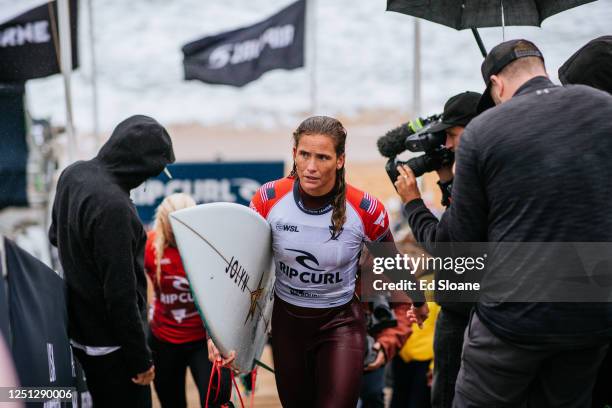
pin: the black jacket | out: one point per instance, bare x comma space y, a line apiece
537, 169
432, 235
427, 229
101, 239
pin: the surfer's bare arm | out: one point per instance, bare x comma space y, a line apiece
215, 355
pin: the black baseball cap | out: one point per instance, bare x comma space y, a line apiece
591, 65
458, 111
500, 56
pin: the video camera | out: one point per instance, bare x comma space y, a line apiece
416, 137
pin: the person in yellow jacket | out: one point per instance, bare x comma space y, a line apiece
412, 364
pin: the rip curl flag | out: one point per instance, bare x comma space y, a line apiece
241, 56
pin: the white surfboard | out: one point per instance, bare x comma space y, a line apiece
226, 250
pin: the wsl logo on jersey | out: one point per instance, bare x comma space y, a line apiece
287, 228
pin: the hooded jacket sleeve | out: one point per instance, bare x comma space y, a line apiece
114, 252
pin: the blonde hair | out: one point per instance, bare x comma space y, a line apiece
163, 230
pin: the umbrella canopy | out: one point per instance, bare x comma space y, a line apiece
460, 14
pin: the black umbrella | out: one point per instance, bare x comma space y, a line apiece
460, 14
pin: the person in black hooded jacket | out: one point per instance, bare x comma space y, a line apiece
100, 241
433, 235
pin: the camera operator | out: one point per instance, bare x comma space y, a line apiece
453, 318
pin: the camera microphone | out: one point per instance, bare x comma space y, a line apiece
393, 142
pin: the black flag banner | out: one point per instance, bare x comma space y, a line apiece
240, 56
28, 43
37, 323
13, 146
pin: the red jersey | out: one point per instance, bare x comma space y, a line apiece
175, 316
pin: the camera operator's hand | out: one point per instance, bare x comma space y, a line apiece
380, 359
445, 173
406, 184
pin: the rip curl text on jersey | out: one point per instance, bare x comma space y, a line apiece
314, 268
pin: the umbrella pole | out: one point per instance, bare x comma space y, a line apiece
63, 9
479, 42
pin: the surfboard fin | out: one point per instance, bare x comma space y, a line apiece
264, 366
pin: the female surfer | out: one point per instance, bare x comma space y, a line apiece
319, 225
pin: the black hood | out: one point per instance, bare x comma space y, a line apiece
138, 149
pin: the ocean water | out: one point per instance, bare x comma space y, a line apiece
364, 62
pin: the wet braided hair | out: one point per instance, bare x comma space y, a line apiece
324, 125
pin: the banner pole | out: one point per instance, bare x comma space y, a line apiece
94, 76
311, 28
63, 11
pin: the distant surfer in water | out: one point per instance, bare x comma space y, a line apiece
319, 225
178, 337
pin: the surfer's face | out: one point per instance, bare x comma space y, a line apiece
316, 163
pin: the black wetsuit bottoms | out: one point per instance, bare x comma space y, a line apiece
318, 354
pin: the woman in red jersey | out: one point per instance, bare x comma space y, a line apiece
178, 337
319, 226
